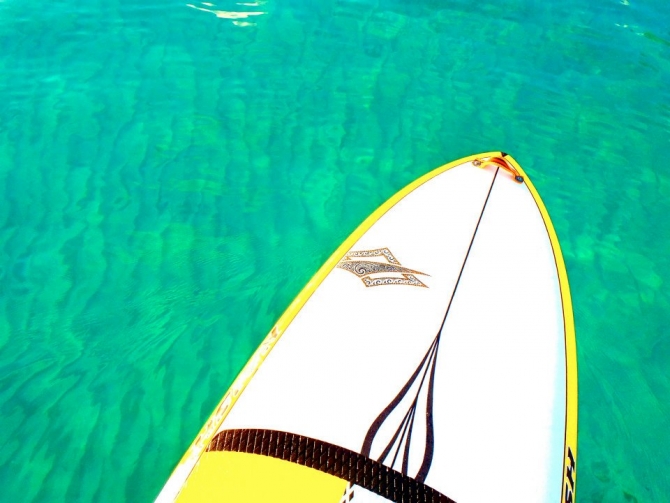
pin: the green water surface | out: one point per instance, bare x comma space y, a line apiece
172, 174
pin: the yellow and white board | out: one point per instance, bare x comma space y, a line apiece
431, 358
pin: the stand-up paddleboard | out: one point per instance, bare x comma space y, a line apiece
431, 358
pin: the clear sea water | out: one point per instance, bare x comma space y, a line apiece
172, 174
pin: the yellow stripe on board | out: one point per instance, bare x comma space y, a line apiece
253, 478
570, 447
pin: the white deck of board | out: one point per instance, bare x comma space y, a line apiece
499, 406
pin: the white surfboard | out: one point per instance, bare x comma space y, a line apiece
432, 358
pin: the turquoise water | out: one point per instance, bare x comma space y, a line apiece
172, 174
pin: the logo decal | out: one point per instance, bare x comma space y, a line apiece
569, 478
370, 270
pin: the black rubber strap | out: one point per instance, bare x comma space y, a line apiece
328, 458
